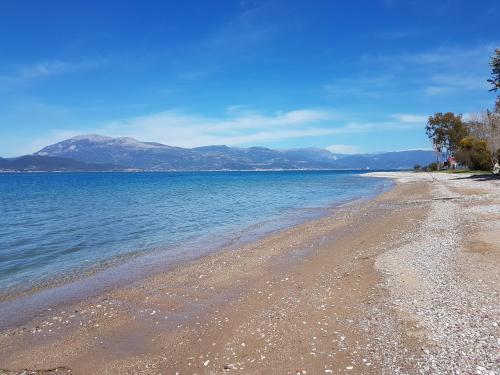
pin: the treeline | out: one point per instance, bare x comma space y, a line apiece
473, 143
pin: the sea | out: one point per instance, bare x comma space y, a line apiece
61, 227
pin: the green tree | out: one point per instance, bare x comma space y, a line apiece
446, 131
495, 76
474, 153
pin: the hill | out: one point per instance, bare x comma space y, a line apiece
151, 156
38, 163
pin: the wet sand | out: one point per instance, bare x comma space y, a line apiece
353, 292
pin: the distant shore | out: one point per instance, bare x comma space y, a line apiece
385, 285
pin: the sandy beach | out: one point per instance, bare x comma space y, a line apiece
405, 283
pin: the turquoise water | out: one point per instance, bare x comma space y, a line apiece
54, 226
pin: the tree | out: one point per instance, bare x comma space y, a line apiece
495, 76
474, 153
446, 131
486, 126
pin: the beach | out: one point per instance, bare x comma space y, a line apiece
407, 282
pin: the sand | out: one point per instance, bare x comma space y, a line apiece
407, 282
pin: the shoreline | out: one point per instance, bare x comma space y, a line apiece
17, 308
319, 297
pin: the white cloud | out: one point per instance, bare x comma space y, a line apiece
190, 130
238, 127
343, 149
409, 118
438, 90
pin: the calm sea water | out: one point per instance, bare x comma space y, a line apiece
54, 226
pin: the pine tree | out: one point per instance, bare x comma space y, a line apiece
495, 74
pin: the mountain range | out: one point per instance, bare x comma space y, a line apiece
100, 153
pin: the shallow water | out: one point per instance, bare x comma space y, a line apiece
57, 226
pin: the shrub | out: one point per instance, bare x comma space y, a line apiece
433, 167
474, 153
417, 168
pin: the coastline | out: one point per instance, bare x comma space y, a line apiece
158, 254
314, 297
18, 307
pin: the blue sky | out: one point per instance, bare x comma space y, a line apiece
353, 76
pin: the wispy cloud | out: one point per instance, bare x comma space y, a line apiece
441, 71
369, 86
242, 128
189, 130
252, 26
450, 83
444, 57
48, 68
409, 118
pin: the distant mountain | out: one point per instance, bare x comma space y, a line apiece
387, 160
36, 163
155, 156
131, 153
